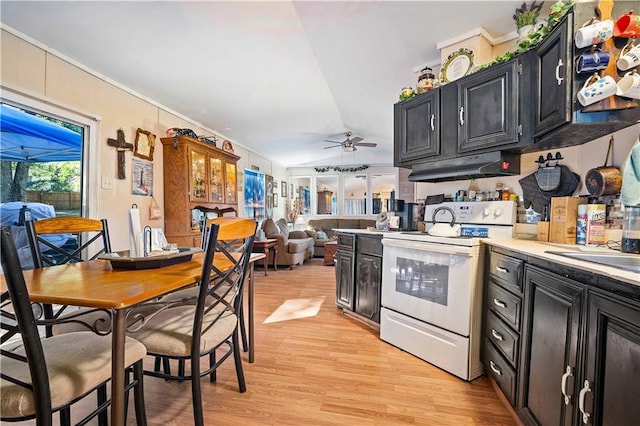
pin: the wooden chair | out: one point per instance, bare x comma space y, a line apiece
199, 322
43, 376
92, 236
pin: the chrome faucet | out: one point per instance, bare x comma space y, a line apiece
146, 241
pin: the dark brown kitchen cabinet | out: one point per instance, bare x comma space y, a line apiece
368, 277
488, 113
549, 360
345, 262
553, 71
609, 386
417, 128
574, 356
359, 275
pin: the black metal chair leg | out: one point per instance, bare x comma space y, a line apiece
212, 361
156, 363
103, 417
238, 360
65, 417
196, 391
138, 394
243, 330
181, 367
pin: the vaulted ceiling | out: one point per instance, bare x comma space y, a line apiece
276, 77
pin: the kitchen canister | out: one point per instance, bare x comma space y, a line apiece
581, 225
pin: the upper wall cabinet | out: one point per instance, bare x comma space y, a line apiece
553, 76
488, 113
559, 119
417, 128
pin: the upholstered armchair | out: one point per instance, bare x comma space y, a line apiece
294, 247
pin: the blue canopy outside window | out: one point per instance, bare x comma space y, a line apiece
25, 137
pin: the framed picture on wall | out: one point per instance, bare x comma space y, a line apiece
283, 189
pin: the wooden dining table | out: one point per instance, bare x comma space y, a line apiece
95, 284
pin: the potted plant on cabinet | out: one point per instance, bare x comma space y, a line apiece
525, 18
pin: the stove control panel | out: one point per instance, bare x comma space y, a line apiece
479, 212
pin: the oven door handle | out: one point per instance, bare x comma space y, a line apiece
429, 247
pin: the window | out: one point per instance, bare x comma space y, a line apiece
355, 195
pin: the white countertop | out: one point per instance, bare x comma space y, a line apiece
362, 231
538, 249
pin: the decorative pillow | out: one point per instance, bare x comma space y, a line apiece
270, 228
282, 226
297, 235
322, 235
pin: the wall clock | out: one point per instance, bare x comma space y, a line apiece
457, 65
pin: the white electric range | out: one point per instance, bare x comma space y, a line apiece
432, 285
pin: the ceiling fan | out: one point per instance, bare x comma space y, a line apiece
350, 144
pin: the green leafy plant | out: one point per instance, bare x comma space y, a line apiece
527, 15
558, 10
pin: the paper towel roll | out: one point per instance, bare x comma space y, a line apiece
134, 231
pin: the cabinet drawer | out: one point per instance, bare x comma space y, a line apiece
506, 305
346, 242
501, 372
507, 269
502, 337
370, 245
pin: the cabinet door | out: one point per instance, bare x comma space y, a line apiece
553, 73
344, 279
549, 359
488, 108
368, 278
610, 386
216, 180
231, 183
417, 125
198, 180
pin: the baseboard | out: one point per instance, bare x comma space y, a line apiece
505, 401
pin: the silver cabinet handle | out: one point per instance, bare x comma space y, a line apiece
433, 116
497, 335
502, 270
558, 78
583, 394
462, 116
563, 386
499, 303
494, 368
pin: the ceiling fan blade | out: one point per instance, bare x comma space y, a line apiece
356, 139
333, 146
370, 144
327, 140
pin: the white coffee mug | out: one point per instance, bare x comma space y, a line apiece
594, 33
629, 57
629, 85
596, 88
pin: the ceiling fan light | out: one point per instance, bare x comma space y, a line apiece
349, 148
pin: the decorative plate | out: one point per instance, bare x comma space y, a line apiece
457, 65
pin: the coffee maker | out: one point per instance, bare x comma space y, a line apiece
409, 217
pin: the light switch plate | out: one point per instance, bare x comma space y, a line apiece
107, 182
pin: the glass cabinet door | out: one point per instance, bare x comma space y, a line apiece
198, 184
216, 186
230, 183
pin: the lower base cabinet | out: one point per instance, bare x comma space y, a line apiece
359, 274
579, 348
552, 317
609, 390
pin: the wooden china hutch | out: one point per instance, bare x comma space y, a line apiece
195, 174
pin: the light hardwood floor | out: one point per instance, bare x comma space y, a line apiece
325, 369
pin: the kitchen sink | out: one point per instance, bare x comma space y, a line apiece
629, 262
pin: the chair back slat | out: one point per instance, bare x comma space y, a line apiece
82, 227
220, 291
20, 310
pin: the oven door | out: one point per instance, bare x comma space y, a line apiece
430, 282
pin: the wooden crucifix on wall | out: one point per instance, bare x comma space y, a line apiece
121, 146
